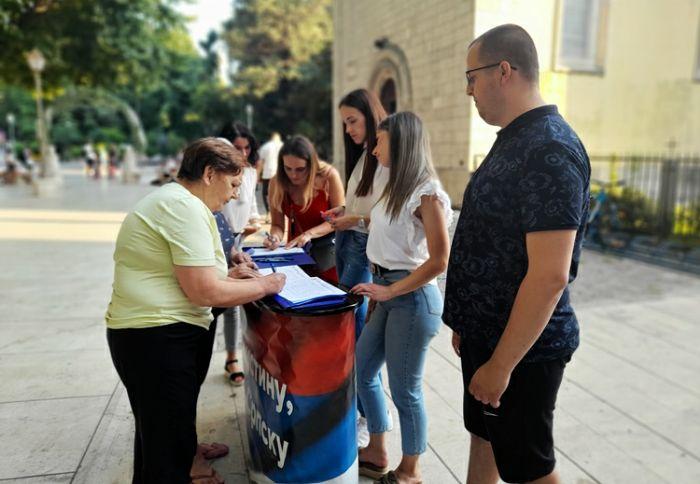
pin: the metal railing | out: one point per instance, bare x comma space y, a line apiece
645, 206
654, 195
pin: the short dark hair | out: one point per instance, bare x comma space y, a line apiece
512, 43
218, 153
234, 130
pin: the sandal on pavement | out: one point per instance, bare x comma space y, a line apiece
388, 478
370, 470
213, 450
211, 478
236, 378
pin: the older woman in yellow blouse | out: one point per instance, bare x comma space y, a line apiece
170, 270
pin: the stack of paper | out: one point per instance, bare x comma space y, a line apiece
302, 290
262, 251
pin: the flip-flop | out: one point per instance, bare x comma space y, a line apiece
236, 378
388, 478
213, 450
370, 470
212, 478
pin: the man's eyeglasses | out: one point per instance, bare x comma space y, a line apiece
470, 78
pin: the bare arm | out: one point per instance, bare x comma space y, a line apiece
549, 259
202, 287
276, 216
336, 198
433, 218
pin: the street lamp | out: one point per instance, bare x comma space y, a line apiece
11, 128
249, 115
49, 164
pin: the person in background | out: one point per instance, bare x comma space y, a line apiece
269, 152
241, 215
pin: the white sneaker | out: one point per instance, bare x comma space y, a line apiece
362, 432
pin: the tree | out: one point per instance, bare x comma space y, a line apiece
272, 41
86, 42
282, 51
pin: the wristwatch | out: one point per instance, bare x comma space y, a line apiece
361, 223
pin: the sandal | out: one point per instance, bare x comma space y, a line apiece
211, 478
367, 469
388, 478
236, 378
213, 450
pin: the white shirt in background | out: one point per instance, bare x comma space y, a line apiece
238, 212
355, 205
401, 245
268, 154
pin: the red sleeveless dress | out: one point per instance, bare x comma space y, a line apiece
301, 221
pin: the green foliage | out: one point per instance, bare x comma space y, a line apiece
283, 54
140, 52
86, 42
273, 41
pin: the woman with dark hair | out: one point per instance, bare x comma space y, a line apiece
240, 214
302, 190
360, 112
244, 141
408, 247
169, 271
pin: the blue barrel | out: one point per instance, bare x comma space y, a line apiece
300, 393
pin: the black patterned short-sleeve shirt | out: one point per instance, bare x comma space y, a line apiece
535, 178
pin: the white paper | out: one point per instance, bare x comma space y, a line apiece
258, 251
300, 286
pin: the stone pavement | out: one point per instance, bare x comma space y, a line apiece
628, 412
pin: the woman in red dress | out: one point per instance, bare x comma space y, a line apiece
303, 188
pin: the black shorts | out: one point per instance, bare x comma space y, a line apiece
520, 429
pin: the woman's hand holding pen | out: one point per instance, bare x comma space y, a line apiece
273, 283
271, 241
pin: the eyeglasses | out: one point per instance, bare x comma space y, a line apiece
470, 78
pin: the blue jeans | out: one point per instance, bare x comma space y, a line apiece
353, 267
399, 332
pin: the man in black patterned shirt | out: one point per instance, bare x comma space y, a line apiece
515, 250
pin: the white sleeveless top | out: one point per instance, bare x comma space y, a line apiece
239, 211
363, 205
401, 245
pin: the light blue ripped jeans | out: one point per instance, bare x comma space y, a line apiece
398, 333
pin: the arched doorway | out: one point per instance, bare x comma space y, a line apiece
387, 96
391, 78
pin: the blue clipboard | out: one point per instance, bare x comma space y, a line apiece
320, 302
302, 259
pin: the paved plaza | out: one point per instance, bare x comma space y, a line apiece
628, 410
